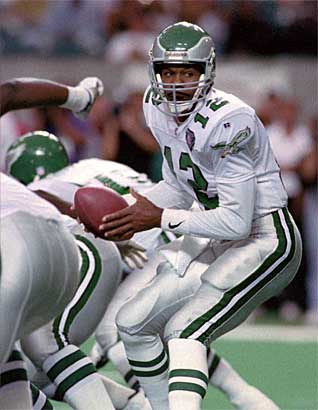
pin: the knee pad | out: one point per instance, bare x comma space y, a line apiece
135, 315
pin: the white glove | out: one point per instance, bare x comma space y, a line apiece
81, 98
132, 254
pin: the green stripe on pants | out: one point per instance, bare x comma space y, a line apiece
91, 269
203, 336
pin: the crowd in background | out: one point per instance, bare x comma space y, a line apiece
123, 30
97, 27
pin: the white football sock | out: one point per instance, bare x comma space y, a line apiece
224, 377
14, 387
117, 355
149, 362
118, 393
39, 399
77, 380
188, 376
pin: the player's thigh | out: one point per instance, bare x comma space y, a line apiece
100, 276
244, 276
154, 305
134, 282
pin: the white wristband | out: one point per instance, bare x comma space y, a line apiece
77, 100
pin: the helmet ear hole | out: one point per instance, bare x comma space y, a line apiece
35, 155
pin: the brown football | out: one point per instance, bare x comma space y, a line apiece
92, 203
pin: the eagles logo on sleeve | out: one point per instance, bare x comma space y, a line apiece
233, 146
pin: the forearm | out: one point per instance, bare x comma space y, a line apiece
63, 206
230, 221
27, 93
164, 195
32, 92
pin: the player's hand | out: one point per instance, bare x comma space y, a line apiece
132, 254
140, 216
94, 88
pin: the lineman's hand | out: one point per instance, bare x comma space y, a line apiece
132, 254
140, 216
93, 88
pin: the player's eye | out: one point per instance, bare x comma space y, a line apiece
166, 73
189, 74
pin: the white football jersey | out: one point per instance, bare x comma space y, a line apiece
223, 143
117, 176
16, 197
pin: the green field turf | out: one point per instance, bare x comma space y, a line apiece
286, 371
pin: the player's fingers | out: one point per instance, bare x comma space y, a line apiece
138, 261
136, 246
142, 256
116, 215
114, 224
125, 237
129, 263
118, 232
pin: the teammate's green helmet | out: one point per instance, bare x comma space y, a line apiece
182, 43
35, 155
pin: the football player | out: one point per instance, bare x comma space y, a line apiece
216, 153
52, 177
39, 273
34, 157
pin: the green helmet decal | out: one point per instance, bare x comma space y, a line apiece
35, 155
181, 43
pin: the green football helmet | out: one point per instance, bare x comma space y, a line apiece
182, 43
34, 156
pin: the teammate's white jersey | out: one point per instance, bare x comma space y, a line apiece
16, 197
117, 176
223, 143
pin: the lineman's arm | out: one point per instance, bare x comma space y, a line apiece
63, 206
32, 92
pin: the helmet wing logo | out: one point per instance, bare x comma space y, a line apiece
13, 155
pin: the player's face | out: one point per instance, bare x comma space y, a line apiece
183, 76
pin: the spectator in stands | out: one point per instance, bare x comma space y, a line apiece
268, 110
291, 143
133, 44
69, 25
309, 174
127, 138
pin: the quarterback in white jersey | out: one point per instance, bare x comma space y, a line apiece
216, 153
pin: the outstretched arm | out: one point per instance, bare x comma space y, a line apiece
33, 92
27, 93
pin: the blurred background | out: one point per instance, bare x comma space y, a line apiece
266, 54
